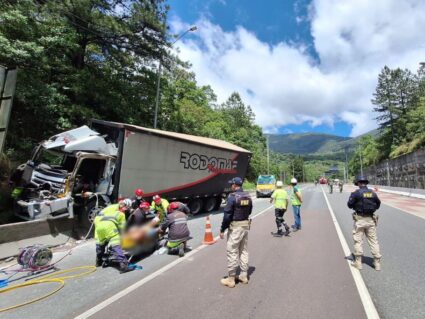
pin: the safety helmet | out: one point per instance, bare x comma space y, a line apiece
124, 204
362, 179
138, 192
173, 206
144, 205
294, 180
157, 199
236, 181
279, 184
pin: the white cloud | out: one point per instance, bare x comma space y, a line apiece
284, 85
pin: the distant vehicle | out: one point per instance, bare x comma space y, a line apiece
266, 184
85, 169
323, 180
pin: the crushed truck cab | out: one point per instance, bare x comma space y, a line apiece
62, 171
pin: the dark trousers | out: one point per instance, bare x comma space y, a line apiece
279, 212
117, 255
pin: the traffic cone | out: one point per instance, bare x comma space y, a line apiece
208, 238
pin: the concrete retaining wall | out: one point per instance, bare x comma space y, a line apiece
48, 232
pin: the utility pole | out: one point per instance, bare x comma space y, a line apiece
158, 74
268, 156
361, 163
346, 165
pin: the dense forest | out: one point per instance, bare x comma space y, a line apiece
399, 102
83, 59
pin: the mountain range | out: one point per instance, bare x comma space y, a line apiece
313, 143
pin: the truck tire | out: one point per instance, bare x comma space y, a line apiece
86, 217
210, 204
218, 202
195, 206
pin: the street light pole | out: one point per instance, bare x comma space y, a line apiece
158, 75
268, 156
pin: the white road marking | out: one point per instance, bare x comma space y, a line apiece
365, 297
148, 278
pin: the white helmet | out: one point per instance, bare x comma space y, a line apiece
125, 202
279, 184
294, 181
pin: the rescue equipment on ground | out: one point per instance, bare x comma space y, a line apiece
35, 257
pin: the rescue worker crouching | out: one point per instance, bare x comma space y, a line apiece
280, 198
160, 205
109, 224
365, 202
178, 231
236, 220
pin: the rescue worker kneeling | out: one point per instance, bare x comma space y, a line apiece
178, 231
109, 225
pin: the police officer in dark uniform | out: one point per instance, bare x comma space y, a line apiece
365, 202
236, 220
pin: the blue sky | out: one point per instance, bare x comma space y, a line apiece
301, 64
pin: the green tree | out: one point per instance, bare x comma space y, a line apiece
80, 59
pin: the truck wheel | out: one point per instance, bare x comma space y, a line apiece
195, 206
89, 212
210, 203
218, 203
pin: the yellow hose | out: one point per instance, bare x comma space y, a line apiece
46, 279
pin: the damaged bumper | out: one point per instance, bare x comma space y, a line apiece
45, 208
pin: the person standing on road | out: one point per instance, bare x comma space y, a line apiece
296, 201
280, 199
365, 202
236, 220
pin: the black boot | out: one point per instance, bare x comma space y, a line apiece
287, 230
181, 250
279, 233
124, 268
99, 262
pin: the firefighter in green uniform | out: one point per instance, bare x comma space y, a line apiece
109, 224
160, 206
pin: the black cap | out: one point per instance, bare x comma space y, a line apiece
236, 180
362, 179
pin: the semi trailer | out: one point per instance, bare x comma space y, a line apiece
79, 172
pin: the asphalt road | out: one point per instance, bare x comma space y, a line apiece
303, 276
398, 291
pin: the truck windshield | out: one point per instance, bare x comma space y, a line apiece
55, 159
266, 179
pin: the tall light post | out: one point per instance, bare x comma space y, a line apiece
158, 82
268, 156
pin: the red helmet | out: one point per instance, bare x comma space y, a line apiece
138, 192
144, 205
157, 199
173, 206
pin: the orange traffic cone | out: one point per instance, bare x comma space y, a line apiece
208, 238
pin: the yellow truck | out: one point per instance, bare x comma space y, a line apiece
266, 184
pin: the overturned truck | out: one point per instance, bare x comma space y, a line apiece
80, 171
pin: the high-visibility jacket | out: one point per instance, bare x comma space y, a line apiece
280, 197
108, 225
295, 201
161, 208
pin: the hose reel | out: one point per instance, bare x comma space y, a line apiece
35, 257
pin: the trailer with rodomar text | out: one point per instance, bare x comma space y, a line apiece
80, 171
